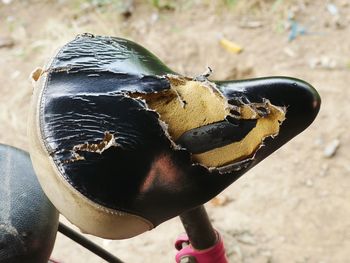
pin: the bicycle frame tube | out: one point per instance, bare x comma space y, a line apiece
203, 243
198, 228
81, 240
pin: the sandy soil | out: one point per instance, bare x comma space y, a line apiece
294, 206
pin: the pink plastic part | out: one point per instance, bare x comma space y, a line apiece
214, 254
183, 238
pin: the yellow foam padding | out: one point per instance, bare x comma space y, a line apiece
237, 151
190, 104
187, 105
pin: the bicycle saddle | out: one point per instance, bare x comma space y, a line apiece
121, 143
28, 221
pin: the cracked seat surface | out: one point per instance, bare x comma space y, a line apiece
121, 143
28, 220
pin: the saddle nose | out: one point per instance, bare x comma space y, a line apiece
299, 99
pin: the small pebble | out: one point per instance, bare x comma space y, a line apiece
309, 183
331, 148
332, 9
154, 18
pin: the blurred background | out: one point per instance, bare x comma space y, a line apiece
294, 206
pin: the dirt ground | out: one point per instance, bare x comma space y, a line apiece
295, 205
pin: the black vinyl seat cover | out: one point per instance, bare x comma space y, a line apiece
28, 220
87, 96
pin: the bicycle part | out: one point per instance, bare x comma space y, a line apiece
201, 244
28, 221
187, 253
198, 228
88, 244
121, 143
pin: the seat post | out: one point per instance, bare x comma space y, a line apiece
199, 229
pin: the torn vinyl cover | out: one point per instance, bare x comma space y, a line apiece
121, 143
